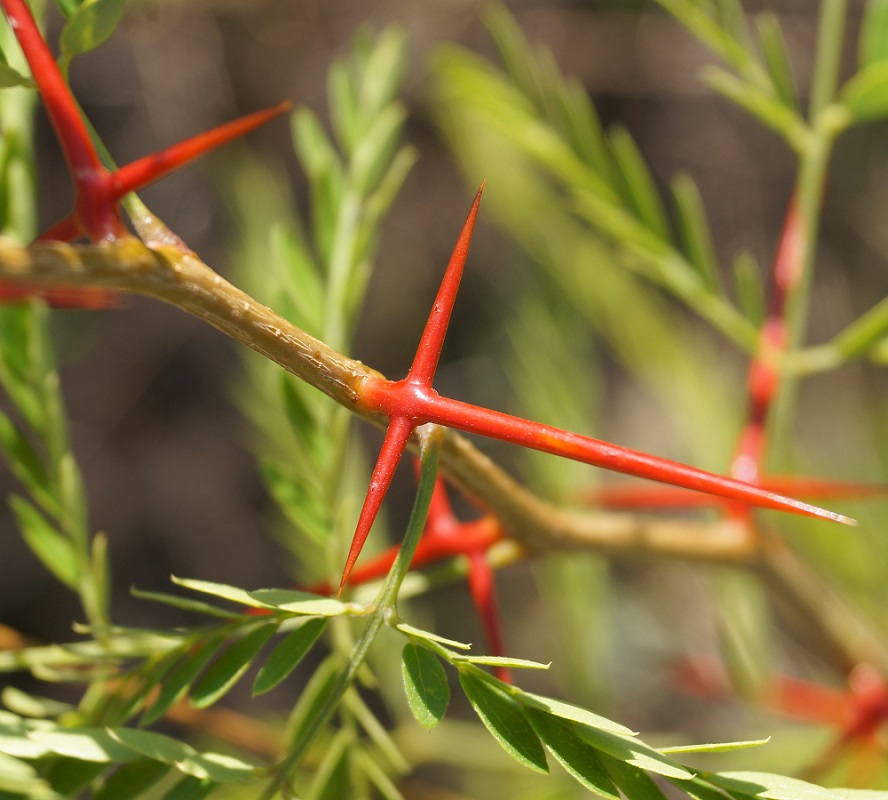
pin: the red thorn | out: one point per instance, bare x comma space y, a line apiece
429, 351
392, 449
484, 597
146, 170
60, 106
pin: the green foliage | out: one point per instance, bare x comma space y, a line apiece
90, 24
576, 197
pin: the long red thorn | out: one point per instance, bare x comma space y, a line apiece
429, 351
389, 455
60, 106
150, 168
484, 597
428, 406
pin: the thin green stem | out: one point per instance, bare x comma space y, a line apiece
810, 187
430, 440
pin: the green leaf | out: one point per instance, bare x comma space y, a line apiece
699, 789
324, 169
376, 149
190, 789
873, 43
748, 282
693, 230
56, 552
29, 705
776, 57
381, 73
634, 752
222, 590
10, 77
88, 27
68, 7
296, 602
716, 747
132, 780
287, 655
573, 713
150, 744
773, 787
216, 767
425, 684
186, 604
418, 633
640, 191
500, 661
84, 744
69, 776
865, 95
505, 720
781, 118
182, 677
19, 777
634, 783
343, 103
73, 496
231, 666
575, 755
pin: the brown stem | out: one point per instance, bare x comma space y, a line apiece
181, 279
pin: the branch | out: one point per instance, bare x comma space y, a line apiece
181, 279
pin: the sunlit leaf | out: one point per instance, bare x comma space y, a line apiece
297, 602
19, 777
501, 661
715, 747
418, 633
633, 751
773, 787
222, 590
574, 713
578, 757
505, 720
425, 684
84, 744
633, 782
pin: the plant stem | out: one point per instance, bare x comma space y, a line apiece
384, 608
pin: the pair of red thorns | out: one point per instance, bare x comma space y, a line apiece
407, 403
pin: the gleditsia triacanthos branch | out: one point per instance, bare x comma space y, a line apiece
181, 279
166, 273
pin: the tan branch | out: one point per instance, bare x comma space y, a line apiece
166, 273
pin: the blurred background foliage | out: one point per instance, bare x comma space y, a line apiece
546, 303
